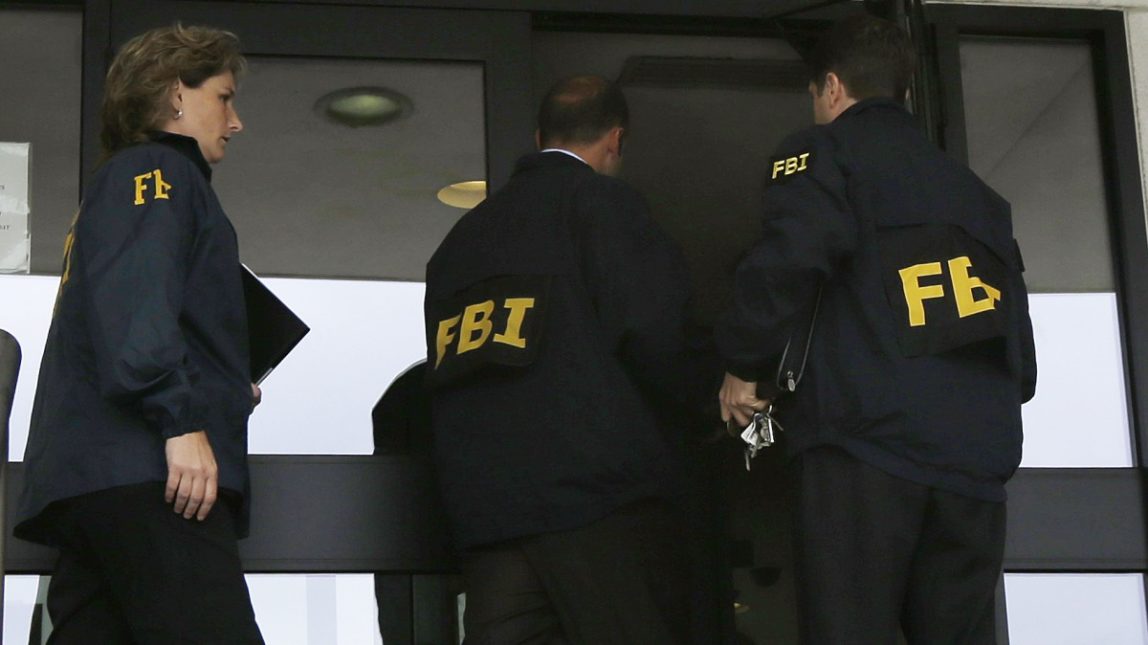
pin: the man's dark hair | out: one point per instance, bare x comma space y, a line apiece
581, 109
871, 56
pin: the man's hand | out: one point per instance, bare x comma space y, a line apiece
256, 396
739, 400
192, 475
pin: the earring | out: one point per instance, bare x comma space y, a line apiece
178, 113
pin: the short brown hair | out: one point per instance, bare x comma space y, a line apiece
140, 78
872, 57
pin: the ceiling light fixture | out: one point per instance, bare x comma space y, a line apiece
464, 194
363, 106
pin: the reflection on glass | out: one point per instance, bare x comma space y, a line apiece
313, 196
1033, 135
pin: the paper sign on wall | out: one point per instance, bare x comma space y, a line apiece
15, 242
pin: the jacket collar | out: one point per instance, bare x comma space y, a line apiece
878, 102
186, 146
552, 159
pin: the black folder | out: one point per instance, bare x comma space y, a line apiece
273, 329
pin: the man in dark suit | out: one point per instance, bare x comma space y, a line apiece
556, 336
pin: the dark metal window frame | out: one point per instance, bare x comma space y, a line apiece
1076, 520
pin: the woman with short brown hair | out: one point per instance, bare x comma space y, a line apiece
137, 455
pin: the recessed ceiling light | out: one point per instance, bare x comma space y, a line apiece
465, 194
362, 106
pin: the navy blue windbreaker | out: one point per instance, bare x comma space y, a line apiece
149, 336
558, 346
923, 350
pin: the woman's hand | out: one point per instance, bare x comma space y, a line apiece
192, 475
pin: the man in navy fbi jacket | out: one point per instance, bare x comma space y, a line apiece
907, 423
556, 336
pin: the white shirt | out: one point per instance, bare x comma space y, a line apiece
565, 152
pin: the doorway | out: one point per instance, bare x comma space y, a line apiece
706, 113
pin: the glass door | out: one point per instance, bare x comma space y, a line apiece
1039, 103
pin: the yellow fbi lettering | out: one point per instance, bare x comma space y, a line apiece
790, 165
161, 186
475, 327
963, 289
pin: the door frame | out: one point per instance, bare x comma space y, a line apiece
1075, 520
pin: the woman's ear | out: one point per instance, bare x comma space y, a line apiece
176, 98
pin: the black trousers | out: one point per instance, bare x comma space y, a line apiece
876, 554
622, 580
133, 572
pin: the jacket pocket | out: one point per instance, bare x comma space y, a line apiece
945, 287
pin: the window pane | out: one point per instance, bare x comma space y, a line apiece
1070, 609
1079, 416
29, 323
312, 197
1033, 135
303, 609
363, 335
313, 609
20, 593
41, 90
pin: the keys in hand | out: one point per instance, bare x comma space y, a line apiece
759, 433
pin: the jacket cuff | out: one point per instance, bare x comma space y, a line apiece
192, 418
178, 430
748, 372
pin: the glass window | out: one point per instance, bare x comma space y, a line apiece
20, 596
327, 608
1033, 135
315, 197
1079, 416
1068, 609
41, 90
314, 608
364, 333
312, 196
